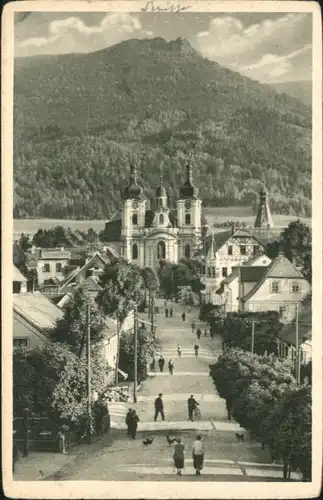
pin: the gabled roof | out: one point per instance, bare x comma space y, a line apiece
81, 268
17, 276
55, 254
254, 259
221, 238
280, 267
37, 310
90, 284
251, 274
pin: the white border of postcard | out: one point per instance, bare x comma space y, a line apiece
147, 489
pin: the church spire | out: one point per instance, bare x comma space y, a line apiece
263, 218
212, 249
188, 190
133, 191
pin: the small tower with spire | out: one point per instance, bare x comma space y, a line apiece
263, 219
133, 219
189, 208
161, 216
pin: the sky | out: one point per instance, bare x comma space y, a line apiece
264, 46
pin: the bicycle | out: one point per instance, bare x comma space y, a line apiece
197, 413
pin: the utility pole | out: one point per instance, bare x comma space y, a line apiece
89, 369
135, 328
117, 356
297, 348
252, 337
153, 317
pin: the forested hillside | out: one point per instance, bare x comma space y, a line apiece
81, 119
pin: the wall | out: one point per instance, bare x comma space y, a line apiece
22, 329
42, 276
223, 259
110, 350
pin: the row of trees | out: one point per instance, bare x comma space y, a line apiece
61, 392
173, 277
262, 396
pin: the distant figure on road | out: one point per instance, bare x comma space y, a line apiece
161, 363
183, 316
178, 456
179, 351
191, 404
165, 303
193, 327
128, 421
171, 366
198, 333
166, 312
133, 424
171, 313
211, 334
159, 407
205, 332
198, 455
189, 310
196, 350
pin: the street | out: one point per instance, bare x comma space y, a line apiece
226, 459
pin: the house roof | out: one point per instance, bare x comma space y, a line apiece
90, 284
81, 268
17, 276
280, 267
255, 258
288, 333
37, 310
250, 273
55, 254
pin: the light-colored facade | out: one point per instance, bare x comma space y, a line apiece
52, 264
146, 237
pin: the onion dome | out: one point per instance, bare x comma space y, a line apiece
188, 190
133, 191
161, 191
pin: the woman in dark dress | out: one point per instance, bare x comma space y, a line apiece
133, 424
178, 456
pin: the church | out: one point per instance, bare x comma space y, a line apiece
147, 236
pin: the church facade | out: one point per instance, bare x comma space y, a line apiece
147, 236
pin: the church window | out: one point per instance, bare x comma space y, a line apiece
230, 250
213, 272
161, 250
187, 218
209, 272
243, 250
187, 251
135, 251
161, 219
224, 272
135, 219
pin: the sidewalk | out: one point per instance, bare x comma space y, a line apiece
42, 465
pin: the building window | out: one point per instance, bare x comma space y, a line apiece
161, 250
224, 272
161, 219
230, 250
187, 218
282, 311
213, 272
46, 268
274, 287
59, 267
296, 288
243, 250
135, 251
16, 287
22, 342
135, 219
187, 251
255, 249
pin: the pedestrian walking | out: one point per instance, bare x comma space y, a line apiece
166, 312
196, 350
159, 407
133, 424
211, 334
191, 404
198, 333
183, 316
205, 332
198, 455
128, 421
171, 312
171, 366
161, 363
178, 456
165, 303
179, 351
193, 327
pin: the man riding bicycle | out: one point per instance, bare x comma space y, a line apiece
192, 406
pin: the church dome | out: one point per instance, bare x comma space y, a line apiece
133, 191
161, 192
188, 190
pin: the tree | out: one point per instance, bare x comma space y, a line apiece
145, 351
71, 329
151, 282
122, 289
